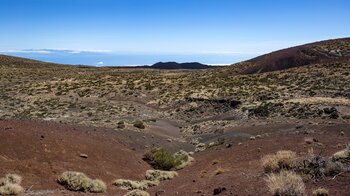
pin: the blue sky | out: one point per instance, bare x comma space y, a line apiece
219, 31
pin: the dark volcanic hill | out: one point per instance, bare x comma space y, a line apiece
318, 52
175, 65
6, 60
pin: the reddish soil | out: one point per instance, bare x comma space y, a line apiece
41, 151
243, 174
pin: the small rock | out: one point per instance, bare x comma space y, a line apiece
299, 126
219, 190
228, 145
258, 136
85, 156
169, 140
252, 138
240, 143
342, 133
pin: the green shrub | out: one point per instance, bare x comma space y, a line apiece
260, 111
332, 112
139, 124
162, 159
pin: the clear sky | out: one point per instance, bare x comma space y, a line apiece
217, 28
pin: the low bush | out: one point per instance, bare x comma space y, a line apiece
159, 158
76, 181
285, 183
139, 124
121, 125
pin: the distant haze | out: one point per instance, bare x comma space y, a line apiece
105, 58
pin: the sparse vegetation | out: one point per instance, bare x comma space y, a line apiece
77, 181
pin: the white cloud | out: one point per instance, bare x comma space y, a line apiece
50, 51
100, 63
87, 51
26, 51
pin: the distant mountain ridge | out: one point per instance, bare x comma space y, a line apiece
175, 65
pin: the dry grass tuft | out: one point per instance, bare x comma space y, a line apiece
153, 178
342, 155
135, 185
285, 183
137, 193
215, 161
219, 171
77, 181
10, 185
320, 192
13, 178
11, 189
280, 160
159, 175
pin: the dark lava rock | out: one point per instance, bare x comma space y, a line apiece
219, 190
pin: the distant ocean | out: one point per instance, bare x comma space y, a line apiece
113, 59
